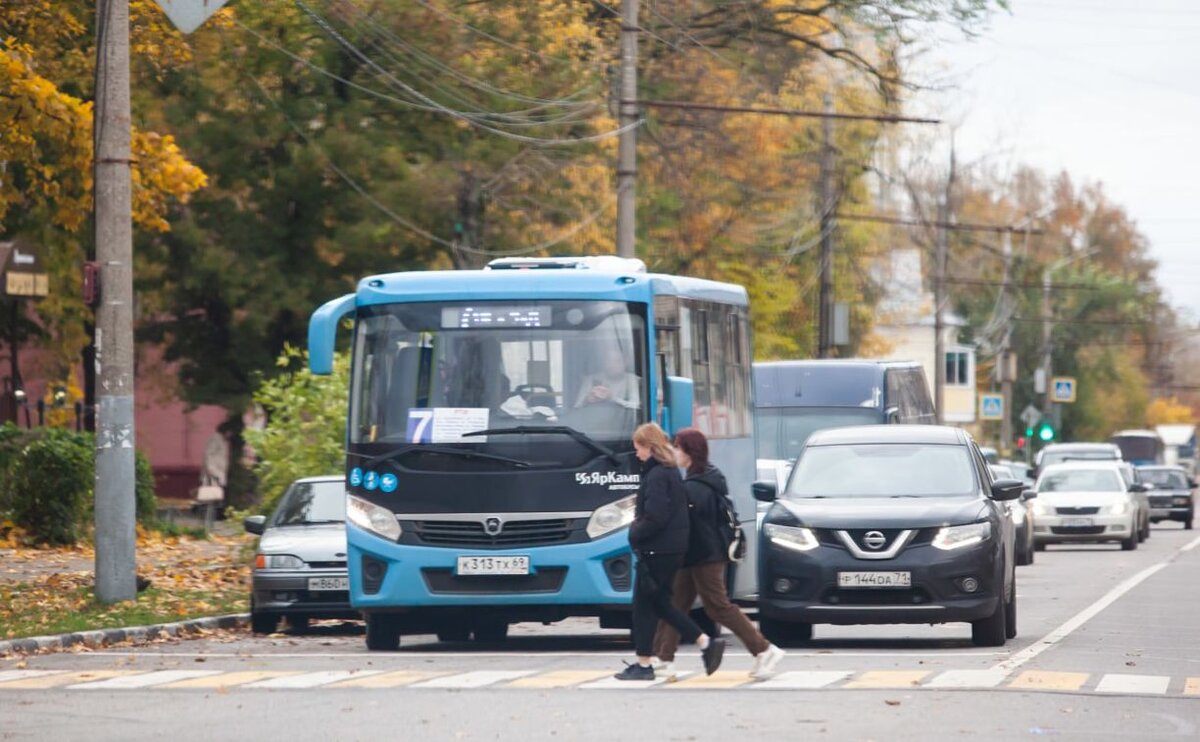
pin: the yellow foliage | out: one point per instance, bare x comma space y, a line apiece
1164, 411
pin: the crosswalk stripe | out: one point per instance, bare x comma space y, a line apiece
230, 679
476, 679
144, 680
18, 674
1043, 680
559, 679
888, 679
803, 680
1191, 687
63, 678
968, 679
386, 680
311, 679
611, 683
1117, 683
720, 679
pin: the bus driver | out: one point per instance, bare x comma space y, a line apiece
613, 384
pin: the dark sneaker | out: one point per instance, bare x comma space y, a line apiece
712, 655
635, 672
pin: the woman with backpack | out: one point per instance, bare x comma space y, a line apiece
659, 537
707, 560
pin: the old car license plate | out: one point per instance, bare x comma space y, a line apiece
328, 584
874, 579
493, 565
1078, 522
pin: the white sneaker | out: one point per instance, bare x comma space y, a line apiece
766, 662
665, 670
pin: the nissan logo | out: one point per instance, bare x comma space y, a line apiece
493, 526
874, 540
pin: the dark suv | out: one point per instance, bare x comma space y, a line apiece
1171, 498
888, 524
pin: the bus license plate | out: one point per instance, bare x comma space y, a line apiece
328, 584
874, 579
493, 565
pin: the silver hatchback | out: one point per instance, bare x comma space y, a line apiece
300, 564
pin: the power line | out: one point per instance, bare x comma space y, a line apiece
965, 281
880, 117
952, 226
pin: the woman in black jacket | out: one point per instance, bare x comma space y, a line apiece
659, 537
707, 561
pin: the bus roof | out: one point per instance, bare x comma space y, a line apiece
563, 283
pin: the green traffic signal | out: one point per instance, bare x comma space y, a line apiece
1045, 432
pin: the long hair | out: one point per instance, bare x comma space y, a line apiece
653, 437
693, 443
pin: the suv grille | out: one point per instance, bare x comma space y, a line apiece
470, 533
1078, 511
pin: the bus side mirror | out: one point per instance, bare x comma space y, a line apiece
322, 333
680, 396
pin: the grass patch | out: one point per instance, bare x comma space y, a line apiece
65, 603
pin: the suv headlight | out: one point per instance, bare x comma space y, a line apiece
1041, 508
795, 538
957, 537
278, 561
608, 518
1117, 508
371, 517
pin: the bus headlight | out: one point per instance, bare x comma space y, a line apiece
371, 517
610, 517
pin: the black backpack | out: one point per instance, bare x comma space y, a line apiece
733, 538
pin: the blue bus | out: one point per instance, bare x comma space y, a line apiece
489, 465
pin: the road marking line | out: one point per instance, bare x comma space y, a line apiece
1191, 544
559, 679
311, 679
18, 674
386, 680
721, 679
145, 680
1118, 683
803, 680
1192, 687
1043, 680
475, 679
914, 653
611, 683
968, 679
1079, 619
64, 678
230, 679
888, 679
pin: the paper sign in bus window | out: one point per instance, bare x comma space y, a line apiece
446, 424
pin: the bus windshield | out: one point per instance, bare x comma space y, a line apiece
433, 373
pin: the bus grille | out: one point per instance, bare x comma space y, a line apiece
470, 533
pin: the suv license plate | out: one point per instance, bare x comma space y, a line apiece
1078, 522
328, 584
874, 579
493, 565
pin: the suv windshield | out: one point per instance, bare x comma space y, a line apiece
431, 373
1081, 480
883, 470
312, 502
1059, 457
781, 431
1165, 479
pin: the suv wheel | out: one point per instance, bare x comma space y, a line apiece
264, 623
1131, 543
1010, 612
785, 633
383, 634
991, 631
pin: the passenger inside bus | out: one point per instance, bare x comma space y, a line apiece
613, 384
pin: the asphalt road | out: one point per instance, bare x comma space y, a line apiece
1109, 647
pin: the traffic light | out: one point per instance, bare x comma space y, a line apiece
1022, 441
1045, 431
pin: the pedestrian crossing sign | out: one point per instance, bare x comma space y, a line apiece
1063, 388
991, 407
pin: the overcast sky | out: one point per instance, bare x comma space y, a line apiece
1108, 90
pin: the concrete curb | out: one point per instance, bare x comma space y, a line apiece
134, 634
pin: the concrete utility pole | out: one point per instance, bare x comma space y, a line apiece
1047, 355
627, 146
826, 209
939, 295
115, 502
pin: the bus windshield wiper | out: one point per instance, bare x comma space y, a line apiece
443, 450
566, 430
